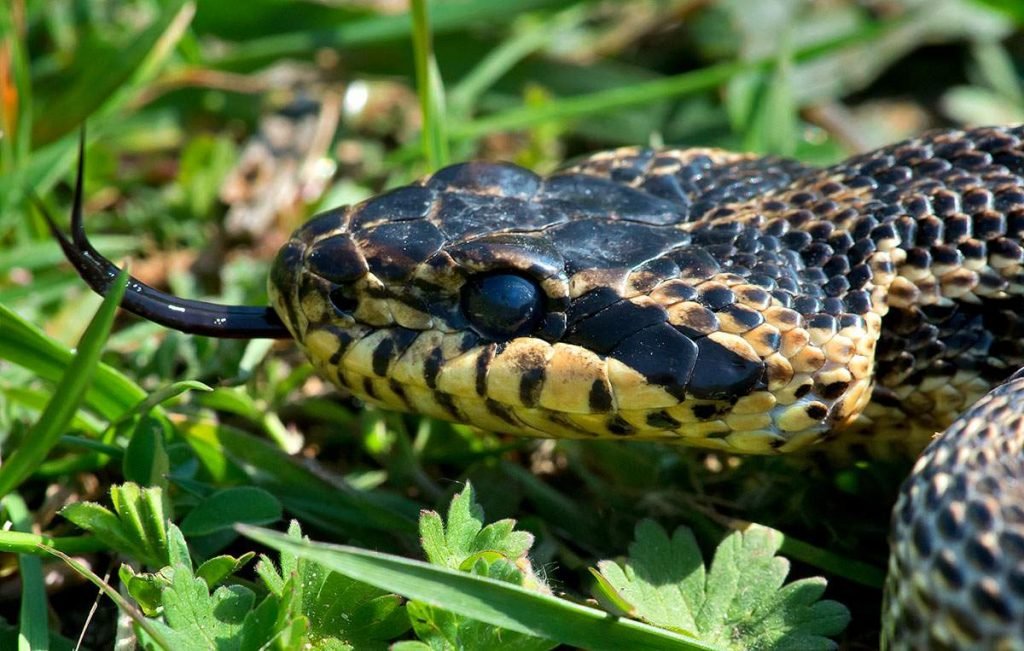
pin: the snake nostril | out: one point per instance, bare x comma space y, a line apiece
341, 301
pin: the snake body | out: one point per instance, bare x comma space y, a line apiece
713, 299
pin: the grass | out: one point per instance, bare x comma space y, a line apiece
221, 432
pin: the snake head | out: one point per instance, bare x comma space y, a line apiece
568, 306
385, 294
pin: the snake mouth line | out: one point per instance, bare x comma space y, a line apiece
185, 315
568, 392
541, 422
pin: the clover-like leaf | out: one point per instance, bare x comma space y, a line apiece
463, 537
137, 526
342, 612
196, 619
740, 603
464, 543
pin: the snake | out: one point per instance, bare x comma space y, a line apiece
699, 297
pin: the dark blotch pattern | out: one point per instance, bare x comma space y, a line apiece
662, 355
337, 259
600, 397
394, 250
606, 329
721, 373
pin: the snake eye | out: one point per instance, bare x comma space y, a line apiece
502, 306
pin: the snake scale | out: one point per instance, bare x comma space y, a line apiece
705, 298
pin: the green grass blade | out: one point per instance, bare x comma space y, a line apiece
36, 400
19, 542
111, 393
17, 122
46, 254
650, 91
430, 89
444, 16
231, 455
834, 564
106, 85
505, 56
603, 100
122, 603
37, 174
33, 632
67, 396
494, 602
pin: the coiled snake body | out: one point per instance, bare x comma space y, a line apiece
705, 298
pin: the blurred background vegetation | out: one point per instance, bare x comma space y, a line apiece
216, 128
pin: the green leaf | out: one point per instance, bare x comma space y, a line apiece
338, 608
137, 526
144, 588
262, 624
110, 393
226, 619
495, 602
663, 580
608, 597
464, 536
110, 74
101, 522
225, 508
147, 588
177, 548
68, 394
464, 543
145, 459
141, 512
196, 619
441, 630
218, 568
740, 603
160, 396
